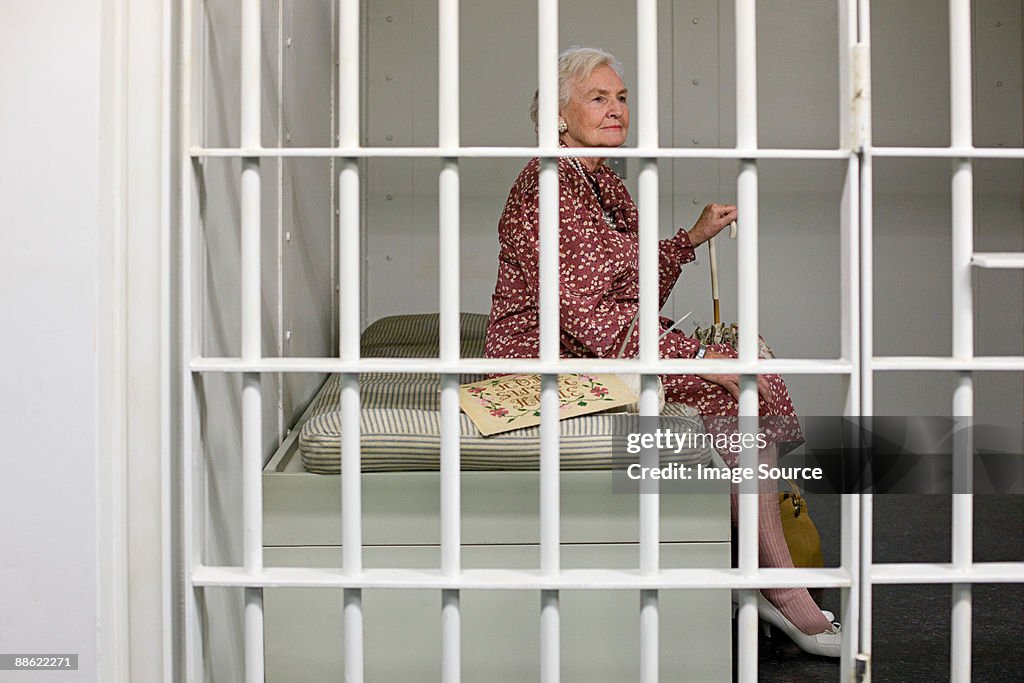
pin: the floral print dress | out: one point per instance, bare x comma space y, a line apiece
598, 283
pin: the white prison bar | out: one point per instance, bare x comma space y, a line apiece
747, 205
604, 579
169, 609
867, 366
983, 259
449, 221
940, 363
355, 151
961, 135
696, 578
547, 84
251, 319
647, 127
563, 366
953, 152
850, 279
853, 131
348, 31
192, 469
978, 572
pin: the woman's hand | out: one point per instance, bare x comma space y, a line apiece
712, 221
731, 383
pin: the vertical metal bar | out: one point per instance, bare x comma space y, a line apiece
647, 118
849, 280
746, 196
190, 532
448, 191
168, 409
860, 599
961, 134
850, 598
279, 197
334, 169
855, 130
252, 396
748, 546
348, 334
547, 77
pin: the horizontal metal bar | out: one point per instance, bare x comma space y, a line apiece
948, 152
979, 572
666, 366
979, 363
997, 260
520, 579
515, 152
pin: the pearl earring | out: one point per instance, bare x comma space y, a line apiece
562, 126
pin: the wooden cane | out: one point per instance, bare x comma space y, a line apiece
714, 272
714, 280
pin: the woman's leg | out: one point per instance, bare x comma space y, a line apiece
711, 400
795, 604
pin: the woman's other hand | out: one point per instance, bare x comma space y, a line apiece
712, 221
731, 383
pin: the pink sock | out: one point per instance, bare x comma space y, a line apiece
796, 604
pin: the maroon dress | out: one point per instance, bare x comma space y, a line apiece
598, 283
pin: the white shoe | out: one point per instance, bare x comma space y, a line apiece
826, 644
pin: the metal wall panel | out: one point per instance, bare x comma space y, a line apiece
307, 221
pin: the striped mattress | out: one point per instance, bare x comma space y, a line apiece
400, 419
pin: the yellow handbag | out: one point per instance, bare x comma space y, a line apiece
801, 534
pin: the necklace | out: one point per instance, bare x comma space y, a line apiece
609, 219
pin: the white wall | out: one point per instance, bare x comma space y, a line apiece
49, 275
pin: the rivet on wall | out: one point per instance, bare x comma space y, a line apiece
388, 77
288, 42
389, 19
389, 197
388, 257
288, 335
287, 137
695, 141
695, 200
389, 138
999, 84
696, 81
696, 20
999, 24
287, 237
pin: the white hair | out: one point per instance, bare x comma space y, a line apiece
575, 64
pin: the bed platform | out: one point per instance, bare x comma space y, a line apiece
500, 529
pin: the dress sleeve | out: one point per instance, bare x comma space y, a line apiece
673, 253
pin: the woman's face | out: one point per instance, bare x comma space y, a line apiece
597, 114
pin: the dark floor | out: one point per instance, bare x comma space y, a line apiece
910, 636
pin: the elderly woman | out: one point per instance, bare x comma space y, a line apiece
599, 294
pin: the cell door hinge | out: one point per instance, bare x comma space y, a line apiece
860, 135
862, 668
